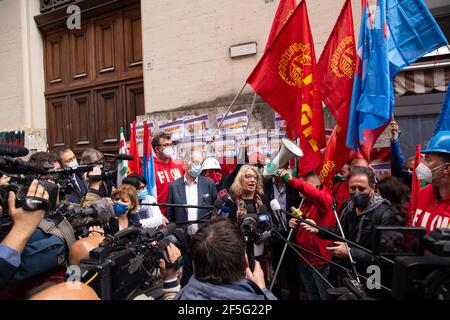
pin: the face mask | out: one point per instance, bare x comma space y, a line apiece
426, 174
195, 170
215, 176
360, 200
339, 178
120, 208
73, 164
143, 194
168, 152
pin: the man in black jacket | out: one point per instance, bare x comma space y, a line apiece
362, 214
276, 188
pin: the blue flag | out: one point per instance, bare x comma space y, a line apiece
443, 123
395, 35
148, 166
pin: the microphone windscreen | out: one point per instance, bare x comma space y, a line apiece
275, 205
13, 151
104, 210
218, 203
171, 227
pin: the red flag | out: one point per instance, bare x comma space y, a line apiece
134, 165
284, 79
336, 69
284, 12
415, 188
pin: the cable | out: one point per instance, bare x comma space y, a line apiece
91, 279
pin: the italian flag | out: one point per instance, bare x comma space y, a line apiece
122, 168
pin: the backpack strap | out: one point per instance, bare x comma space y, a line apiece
64, 230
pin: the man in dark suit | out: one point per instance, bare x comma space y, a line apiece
191, 189
78, 187
276, 188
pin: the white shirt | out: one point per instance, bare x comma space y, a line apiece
154, 219
192, 199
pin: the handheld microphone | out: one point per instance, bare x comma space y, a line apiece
296, 212
119, 156
222, 209
13, 151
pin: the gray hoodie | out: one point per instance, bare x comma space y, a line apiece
239, 290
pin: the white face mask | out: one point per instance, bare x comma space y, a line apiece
426, 174
168, 152
73, 164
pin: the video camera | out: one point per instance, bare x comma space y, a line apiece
126, 263
422, 262
21, 176
100, 213
421, 269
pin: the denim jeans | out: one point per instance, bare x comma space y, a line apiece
315, 287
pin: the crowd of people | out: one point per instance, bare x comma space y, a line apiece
219, 262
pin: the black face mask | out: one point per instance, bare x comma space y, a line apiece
360, 200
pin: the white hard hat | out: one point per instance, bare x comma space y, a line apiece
211, 164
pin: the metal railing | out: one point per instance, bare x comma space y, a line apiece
49, 5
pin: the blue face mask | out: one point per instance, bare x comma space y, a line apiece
143, 194
120, 208
195, 170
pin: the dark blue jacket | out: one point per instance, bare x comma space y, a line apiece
207, 194
398, 164
240, 290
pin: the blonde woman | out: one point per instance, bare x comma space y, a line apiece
248, 187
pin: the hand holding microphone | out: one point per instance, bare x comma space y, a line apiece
309, 228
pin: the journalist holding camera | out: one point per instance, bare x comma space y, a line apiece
25, 223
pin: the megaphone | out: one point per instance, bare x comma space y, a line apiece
289, 150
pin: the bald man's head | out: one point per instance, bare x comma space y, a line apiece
359, 162
80, 249
67, 291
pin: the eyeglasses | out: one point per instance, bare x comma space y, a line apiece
249, 177
165, 145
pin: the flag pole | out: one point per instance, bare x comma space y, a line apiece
228, 110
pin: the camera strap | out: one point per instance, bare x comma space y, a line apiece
63, 230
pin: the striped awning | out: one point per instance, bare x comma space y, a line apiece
423, 78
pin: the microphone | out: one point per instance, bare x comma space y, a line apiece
276, 209
229, 199
164, 232
296, 212
119, 156
13, 151
223, 209
69, 171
